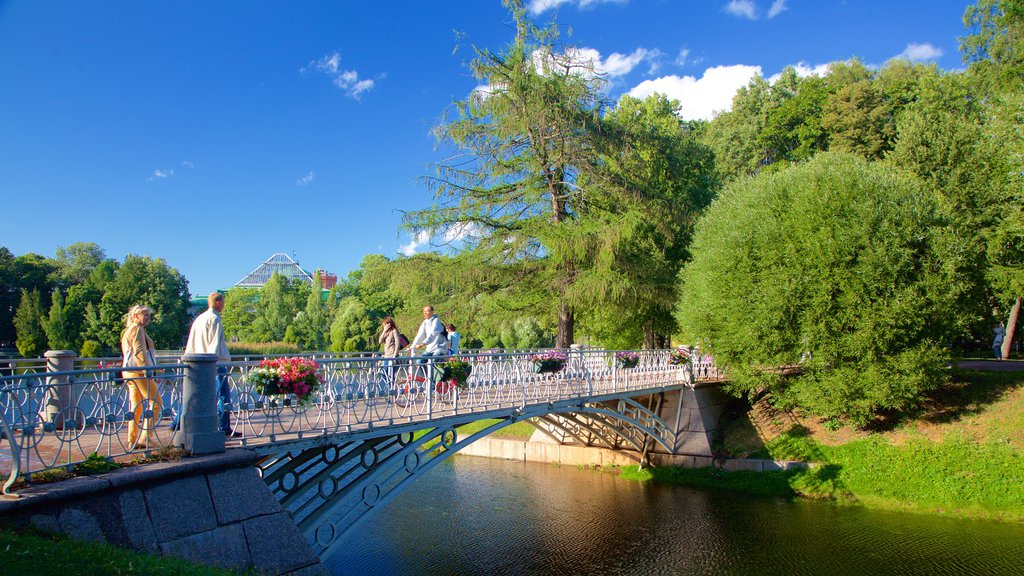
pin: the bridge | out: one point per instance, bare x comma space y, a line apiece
374, 427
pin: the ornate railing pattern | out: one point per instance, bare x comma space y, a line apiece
55, 419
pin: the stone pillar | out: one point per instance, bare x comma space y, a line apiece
60, 396
199, 432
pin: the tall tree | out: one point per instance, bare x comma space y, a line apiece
148, 281
76, 262
520, 144
656, 181
57, 326
28, 321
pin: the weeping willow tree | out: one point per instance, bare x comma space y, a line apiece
553, 199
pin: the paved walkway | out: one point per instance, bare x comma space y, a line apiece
995, 365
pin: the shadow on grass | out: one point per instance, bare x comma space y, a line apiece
968, 393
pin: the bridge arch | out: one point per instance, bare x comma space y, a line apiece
332, 484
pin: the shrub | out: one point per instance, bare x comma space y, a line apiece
850, 261
262, 348
91, 349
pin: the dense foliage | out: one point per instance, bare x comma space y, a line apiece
837, 257
77, 301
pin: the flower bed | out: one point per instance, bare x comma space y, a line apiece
626, 359
285, 376
548, 362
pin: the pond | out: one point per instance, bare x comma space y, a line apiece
478, 516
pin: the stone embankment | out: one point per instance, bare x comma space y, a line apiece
211, 510
537, 450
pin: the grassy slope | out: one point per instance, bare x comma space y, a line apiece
963, 453
38, 553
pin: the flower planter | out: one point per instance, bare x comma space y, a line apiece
457, 374
547, 366
627, 363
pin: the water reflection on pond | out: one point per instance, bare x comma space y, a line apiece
479, 516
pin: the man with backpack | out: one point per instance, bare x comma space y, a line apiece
432, 337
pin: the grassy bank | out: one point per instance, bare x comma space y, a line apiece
962, 454
43, 554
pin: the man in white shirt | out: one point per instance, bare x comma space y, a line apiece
432, 337
207, 337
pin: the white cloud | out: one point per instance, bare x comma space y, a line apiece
347, 80
307, 179
778, 7
538, 6
461, 231
742, 8
163, 173
700, 98
683, 55
803, 69
614, 65
416, 243
187, 164
917, 52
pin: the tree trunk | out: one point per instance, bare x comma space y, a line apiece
1010, 325
566, 322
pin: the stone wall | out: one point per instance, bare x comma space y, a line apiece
212, 510
570, 455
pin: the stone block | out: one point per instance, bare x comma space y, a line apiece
276, 545
535, 452
735, 464
224, 547
772, 466
694, 444
135, 518
240, 494
180, 508
45, 522
81, 525
506, 449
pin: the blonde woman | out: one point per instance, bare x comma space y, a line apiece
137, 350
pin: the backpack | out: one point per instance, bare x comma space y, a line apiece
403, 342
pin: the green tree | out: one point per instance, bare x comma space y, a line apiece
75, 263
280, 301
657, 180
57, 325
25, 272
149, 281
354, 328
520, 146
853, 262
28, 321
241, 306
995, 48
312, 326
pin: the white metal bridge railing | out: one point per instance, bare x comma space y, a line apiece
55, 419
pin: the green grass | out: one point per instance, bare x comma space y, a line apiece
961, 454
518, 430
27, 551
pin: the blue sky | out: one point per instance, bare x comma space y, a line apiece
214, 134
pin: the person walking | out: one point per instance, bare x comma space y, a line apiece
137, 349
454, 339
207, 337
391, 339
997, 341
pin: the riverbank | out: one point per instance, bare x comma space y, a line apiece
29, 551
962, 454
